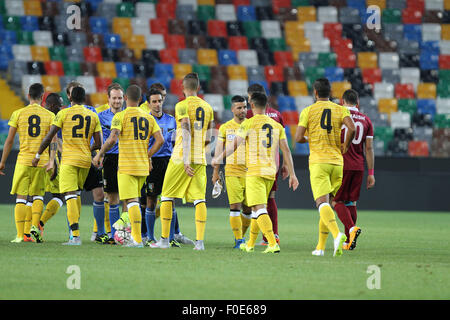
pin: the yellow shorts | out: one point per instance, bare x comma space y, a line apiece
257, 190
28, 181
177, 184
130, 186
51, 186
235, 189
71, 178
325, 179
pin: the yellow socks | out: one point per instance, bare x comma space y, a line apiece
134, 212
236, 223
246, 219
79, 206
73, 214
107, 223
27, 224
265, 225
166, 218
36, 210
51, 209
20, 212
254, 231
200, 219
323, 235
328, 218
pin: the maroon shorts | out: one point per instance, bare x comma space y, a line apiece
351, 186
275, 186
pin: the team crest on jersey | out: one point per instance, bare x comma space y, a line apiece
230, 137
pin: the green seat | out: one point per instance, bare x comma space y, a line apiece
3, 137
252, 29
203, 71
391, 16
124, 82
443, 89
12, 23
385, 134
300, 3
444, 75
71, 68
63, 95
205, 13
442, 121
227, 102
407, 105
2, 7
313, 73
25, 37
277, 44
326, 59
125, 9
151, 1
57, 53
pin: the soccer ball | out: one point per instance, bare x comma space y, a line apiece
123, 236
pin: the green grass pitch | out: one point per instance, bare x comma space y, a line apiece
411, 250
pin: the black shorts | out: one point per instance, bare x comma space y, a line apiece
94, 179
154, 183
110, 167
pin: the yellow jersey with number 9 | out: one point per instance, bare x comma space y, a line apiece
323, 121
200, 115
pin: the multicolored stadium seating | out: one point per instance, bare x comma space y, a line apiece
402, 73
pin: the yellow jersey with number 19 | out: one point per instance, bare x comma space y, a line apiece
323, 120
33, 123
136, 128
200, 115
78, 125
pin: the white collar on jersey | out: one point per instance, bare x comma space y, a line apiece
353, 108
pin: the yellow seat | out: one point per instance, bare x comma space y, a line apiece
339, 87
207, 57
39, 53
32, 8
446, 4
123, 27
297, 88
301, 45
237, 72
9, 102
305, 14
367, 60
387, 105
181, 69
445, 31
293, 31
379, 3
98, 98
426, 91
106, 69
137, 43
51, 83
206, 2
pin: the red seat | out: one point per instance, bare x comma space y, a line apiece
404, 91
332, 30
54, 68
418, 149
274, 73
277, 4
241, 3
217, 28
416, 4
341, 44
159, 26
412, 16
371, 75
346, 59
237, 43
169, 56
166, 9
102, 84
283, 58
176, 87
290, 117
444, 61
92, 54
176, 41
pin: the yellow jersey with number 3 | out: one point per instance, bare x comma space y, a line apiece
200, 115
78, 125
33, 123
235, 163
323, 121
136, 128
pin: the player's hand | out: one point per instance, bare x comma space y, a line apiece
35, 162
284, 172
2, 167
215, 178
214, 162
150, 165
293, 182
188, 169
97, 161
370, 181
49, 166
344, 148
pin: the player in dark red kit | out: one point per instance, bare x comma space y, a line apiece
271, 203
345, 199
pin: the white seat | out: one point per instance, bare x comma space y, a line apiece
155, 41
22, 52
443, 105
313, 30
247, 57
113, 1
301, 102
431, 32
193, 3
225, 12
388, 60
444, 47
320, 44
400, 120
43, 38
383, 90
327, 14
434, 5
410, 75
140, 25
271, 29
237, 87
215, 100
14, 8
145, 10
88, 83
28, 80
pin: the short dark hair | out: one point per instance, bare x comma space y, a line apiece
72, 84
36, 91
256, 87
351, 97
78, 95
54, 102
322, 87
134, 93
153, 92
191, 81
157, 86
114, 86
237, 98
259, 99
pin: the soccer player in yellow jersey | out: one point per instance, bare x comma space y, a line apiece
32, 123
263, 136
186, 172
235, 169
78, 125
323, 121
133, 128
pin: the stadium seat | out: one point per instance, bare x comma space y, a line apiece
216, 102
207, 57
102, 84
112, 41
28, 80
124, 70
43, 38
426, 91
155, 41
334, 74
274, 73
383, 90
387, 105
176, 87
39, 53
217, 28
286, 103
145, 9
283, 58
306, 14
238, 43
410, 75
237, 72
412, 16
426, 106
98, 24
169, 55
203, 71
297, 88
180, 70
227, 57
163, 69
51, 83
247, 58
245, 13
404, 91
418, 149
122, 26
327, 14
166, 9
92, 54
339, 87
388, 60
400, 120
54, 68
225, 12
293, 30
271, 29
98, 98
442, 106
237, 87
106, 70
302, 102
367, 60
188, 56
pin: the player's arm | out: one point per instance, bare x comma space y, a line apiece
186, 142
97, 141
300, 135
109, 143
229, 150
9, 142
348, 122
209, 133
219, 149
289, 164
157, 144
45, 143
370, 159
52, 164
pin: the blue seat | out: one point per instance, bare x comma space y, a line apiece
426, 106
429, 61
302, 148
246, 13
98, 25
29, 23
8, 37
334, 74
227, 57
430, 46
112, 41
263, 83
94, 3
412, 32
6, 55
286, 103
163, 69
124, 70
163, 78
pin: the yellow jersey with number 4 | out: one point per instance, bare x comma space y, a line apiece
32, 123
235, 163
323, 121
200, 115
